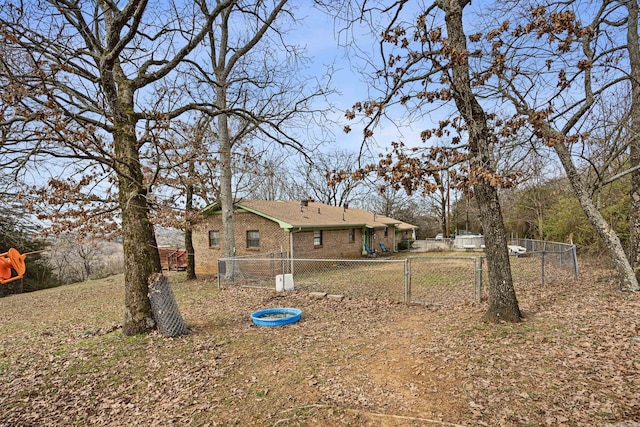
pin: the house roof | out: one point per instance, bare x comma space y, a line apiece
406, 226
290, 215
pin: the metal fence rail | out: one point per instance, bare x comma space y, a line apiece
270, 255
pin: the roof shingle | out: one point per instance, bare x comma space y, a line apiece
291, 214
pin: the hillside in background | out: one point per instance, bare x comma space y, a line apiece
171, 237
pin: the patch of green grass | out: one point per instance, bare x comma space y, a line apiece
470, 331
513, 329
605, 415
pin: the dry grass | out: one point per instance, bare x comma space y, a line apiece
574, 361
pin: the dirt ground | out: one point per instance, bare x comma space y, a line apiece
574, 361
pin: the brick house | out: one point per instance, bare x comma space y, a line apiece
304, 229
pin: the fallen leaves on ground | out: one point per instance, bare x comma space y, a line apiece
573, 361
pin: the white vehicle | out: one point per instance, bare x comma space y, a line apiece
516, 250
439, 236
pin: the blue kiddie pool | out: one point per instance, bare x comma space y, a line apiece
276, 316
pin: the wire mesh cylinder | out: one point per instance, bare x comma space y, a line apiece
164, 307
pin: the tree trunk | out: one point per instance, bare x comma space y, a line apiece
503, 304
607, 235
444, 225
226, 145
191, 257
188, 231
442, 200
226, 189
634, 136
226, 196
141, 257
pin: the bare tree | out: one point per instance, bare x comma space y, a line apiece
273, 180
328, 178
385, 200
77, 262
80, 80
555, 85
252, 75
633, 48
184, 163
426, 60
441, 201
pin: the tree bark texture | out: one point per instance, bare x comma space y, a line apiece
633, 46
191, 259
224, 136
188, 242
188, 231
226, 189
141, 257
138, 238
503, 304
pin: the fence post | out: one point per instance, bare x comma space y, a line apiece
290, 265
219, 264
283, 266
575, 261
542, 268
479, 273
475, 280
407, 280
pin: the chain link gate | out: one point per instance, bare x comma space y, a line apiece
444, 280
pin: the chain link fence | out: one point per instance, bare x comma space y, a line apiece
429, 280
253, 270
437, 280
559, 258
360, 278
541, 264
442, 280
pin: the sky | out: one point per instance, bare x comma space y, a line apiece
325, 46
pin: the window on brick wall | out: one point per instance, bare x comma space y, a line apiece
352, 235
253, 239
386, 232
214, 239
317, 238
